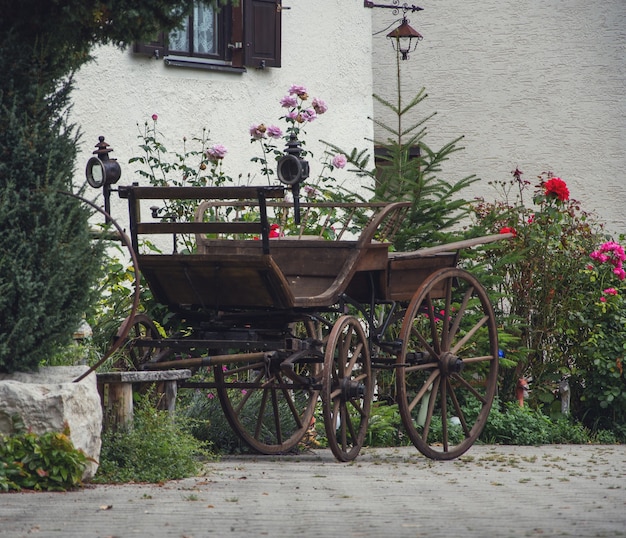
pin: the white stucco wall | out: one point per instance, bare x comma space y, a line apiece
120, 90
539, 85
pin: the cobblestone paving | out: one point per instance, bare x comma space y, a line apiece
492, 491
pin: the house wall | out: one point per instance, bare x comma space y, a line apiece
535, 85
118, 92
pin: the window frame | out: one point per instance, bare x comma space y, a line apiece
250, 36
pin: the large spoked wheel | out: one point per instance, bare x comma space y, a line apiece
137, 348
270, 402
347, 388
448, 367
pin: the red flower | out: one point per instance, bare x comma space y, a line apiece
275, 231
558, 188
507, 230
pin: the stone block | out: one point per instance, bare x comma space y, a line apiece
47, 399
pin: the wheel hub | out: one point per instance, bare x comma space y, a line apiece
351, 389
451, 363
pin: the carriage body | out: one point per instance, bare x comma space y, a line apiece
283, 322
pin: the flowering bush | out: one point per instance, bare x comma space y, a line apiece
560, 288
190, 168
298, 114
598, 376
203, 166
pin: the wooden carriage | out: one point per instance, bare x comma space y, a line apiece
277, 324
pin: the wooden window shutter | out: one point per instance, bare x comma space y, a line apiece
156, 48
262, 33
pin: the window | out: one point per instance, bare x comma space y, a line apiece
229, 39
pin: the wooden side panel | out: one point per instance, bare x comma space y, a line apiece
407, 274
216, 282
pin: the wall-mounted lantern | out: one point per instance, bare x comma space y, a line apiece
102, 172
404, 38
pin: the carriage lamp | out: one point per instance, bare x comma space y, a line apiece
102, 172
404, 38
292, 170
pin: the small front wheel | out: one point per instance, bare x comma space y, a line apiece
347, 388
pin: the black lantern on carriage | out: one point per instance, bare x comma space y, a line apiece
292, 170
102, 172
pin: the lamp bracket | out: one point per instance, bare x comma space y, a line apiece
395, 5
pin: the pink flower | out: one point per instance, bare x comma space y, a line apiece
339, 160
610, 291
210, 395
289, 101
310, 191
531, 219
319, 106
274, 132
216, 152
300, 91
309, 114
258, 131
603, 299
557, 187
621, 274
155, 117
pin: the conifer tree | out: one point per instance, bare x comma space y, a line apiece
48, 261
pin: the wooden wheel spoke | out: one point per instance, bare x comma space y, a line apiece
279, 433
292, 407
343, 427
427, 347
459, 315
346, 343
444, 415
425, 387
259, 421
431, 408
358, 407
446, 312
469, 334
433, 325
457, 409
349, 427
355, 357
469, 387
482, 358
248, 394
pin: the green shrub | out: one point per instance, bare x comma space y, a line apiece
385, 426
154, 448
207, 421
47, 462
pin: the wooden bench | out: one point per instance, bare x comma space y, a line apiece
116, 393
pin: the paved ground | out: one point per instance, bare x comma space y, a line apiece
492, 491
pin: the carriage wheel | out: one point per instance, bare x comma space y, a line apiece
448, 366
136, 351
270, 407
347, 388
